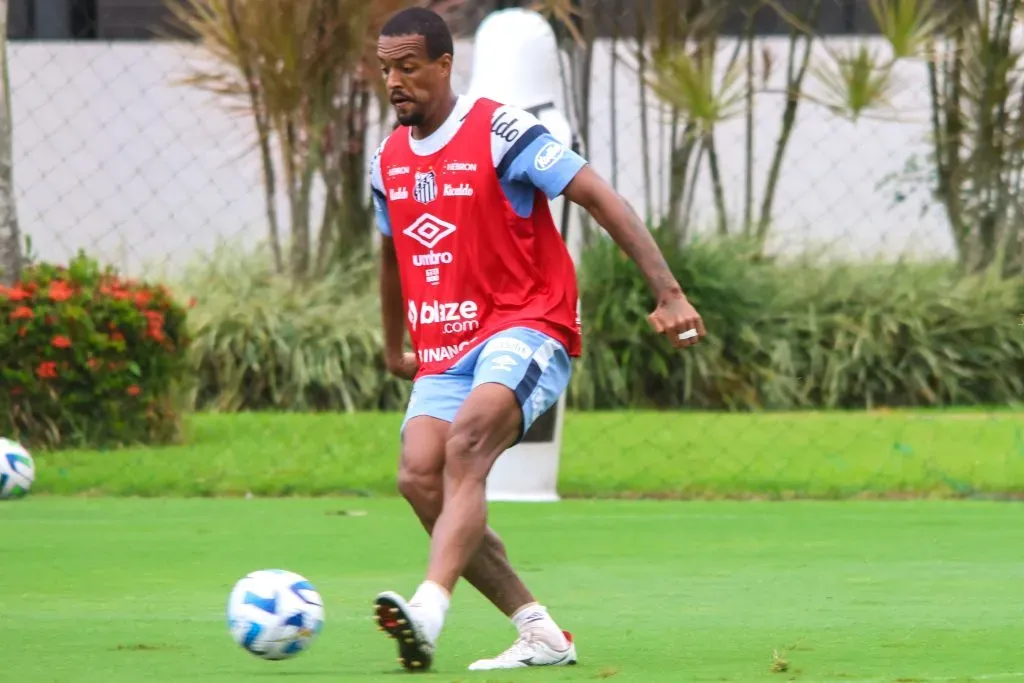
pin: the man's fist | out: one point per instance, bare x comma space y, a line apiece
675, 317
404, 366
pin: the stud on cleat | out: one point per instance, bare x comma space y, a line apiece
414, 650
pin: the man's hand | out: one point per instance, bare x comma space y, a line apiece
404, 366
674, 317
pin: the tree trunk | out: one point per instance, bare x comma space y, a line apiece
794, 86
10, 235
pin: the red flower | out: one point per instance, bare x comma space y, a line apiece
22, 331
155, 325
133, 390
49, 319
192, 302
116, 337
94, 363
22, 313
60, 291
115, 290
13, 293
17, 391
61, 342
142, 297
47, 370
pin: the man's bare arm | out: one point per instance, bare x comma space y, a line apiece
619, 220
392, 312
674, 316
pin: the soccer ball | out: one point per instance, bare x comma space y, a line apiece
275, 614
17, 470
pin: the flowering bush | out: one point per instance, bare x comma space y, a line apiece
89, 358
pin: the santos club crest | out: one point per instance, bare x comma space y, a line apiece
425, 187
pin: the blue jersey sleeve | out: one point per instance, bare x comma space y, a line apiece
546, 164
380, 213
380, 202
527, 157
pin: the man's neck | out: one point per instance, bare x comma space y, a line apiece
437, 119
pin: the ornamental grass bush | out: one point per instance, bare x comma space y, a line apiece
90, 358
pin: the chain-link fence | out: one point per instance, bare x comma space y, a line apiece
112, 156
115, 156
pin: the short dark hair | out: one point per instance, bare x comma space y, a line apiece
420, 21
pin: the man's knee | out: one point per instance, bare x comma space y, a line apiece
420, 472
416, 485
468, 451
488, 424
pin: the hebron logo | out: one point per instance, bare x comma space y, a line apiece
462, 190
398, 170
456, 166
400, 193
454, 318
429, 230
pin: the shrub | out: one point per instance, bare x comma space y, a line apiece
783, 336
264, 341
799, 335
90, 359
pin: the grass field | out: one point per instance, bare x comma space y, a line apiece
683, 455
132, 590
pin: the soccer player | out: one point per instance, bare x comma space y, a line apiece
473, 266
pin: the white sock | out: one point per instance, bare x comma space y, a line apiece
430, 603
535, 620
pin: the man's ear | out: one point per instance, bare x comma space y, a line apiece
445, 64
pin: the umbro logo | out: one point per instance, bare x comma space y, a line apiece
429, 230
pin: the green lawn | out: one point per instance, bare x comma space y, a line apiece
132, 590
689, 455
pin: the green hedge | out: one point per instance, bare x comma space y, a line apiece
260, 341
90, 358
782, 336
801, 335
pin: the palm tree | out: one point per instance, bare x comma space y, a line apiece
10, 235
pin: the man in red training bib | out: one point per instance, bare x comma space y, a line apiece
474, 268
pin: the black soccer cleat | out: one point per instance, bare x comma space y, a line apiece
392, 614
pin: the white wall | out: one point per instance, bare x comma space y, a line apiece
112, 157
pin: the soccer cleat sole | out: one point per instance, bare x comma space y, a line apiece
414, 654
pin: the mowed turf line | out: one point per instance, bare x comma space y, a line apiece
674, 454
131, 590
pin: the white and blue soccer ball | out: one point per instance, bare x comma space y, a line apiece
17, 470
275, 614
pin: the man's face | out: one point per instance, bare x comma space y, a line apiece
415, 83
